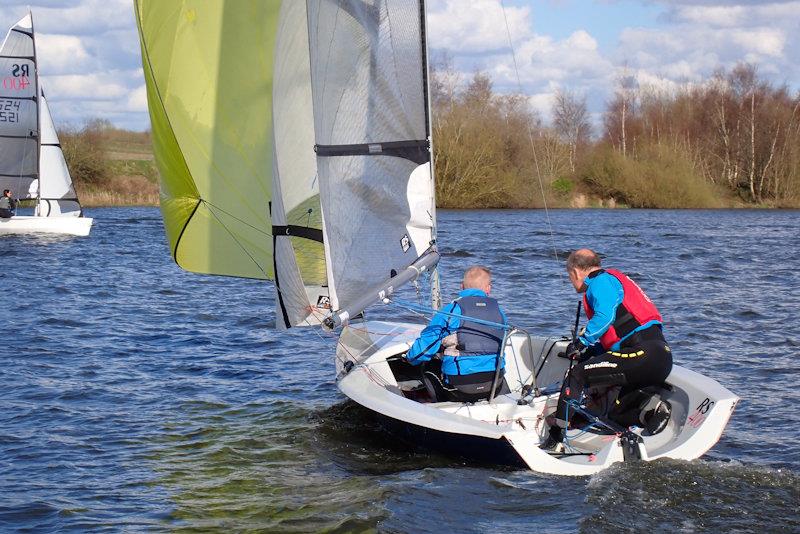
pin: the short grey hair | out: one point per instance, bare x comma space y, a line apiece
475, 274
583, 259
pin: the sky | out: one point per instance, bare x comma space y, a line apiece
91, 68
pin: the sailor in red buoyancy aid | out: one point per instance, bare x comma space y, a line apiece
622, 343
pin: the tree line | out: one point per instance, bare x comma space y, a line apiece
732, 140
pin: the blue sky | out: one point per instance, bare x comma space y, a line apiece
603, 20
89, 53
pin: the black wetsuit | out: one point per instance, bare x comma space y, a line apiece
644, 359
7, 206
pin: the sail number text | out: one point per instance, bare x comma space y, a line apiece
9, 110
18, 81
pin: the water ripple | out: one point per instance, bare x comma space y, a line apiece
139, 397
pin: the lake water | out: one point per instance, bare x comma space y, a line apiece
136, 396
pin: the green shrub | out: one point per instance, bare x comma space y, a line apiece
563, 186
659, 177
84, 152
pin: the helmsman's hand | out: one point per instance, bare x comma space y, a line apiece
575, 350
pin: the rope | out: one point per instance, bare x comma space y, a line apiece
530, 139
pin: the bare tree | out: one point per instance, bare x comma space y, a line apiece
621, 112
571, 122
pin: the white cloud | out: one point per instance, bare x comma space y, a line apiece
479, 28
137, 100
692, 52
85, 17
543, 61
688, 43
737, 14
766, 41
59, 54
104, 86
542, 104
711, 15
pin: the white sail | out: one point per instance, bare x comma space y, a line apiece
32, 164
56, 193
369, 89
19, 166
300, 274
351, 193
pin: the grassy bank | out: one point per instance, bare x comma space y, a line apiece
111, 167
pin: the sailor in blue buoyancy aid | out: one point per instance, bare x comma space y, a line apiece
470, 352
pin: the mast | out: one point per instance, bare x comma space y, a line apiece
37, 102
436, 295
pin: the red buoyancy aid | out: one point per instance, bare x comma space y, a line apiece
635, 310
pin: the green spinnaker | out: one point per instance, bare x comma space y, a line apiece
208, 71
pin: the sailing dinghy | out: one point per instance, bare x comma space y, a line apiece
307, 160
32, 164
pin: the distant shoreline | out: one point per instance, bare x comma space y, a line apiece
117, 168
104, 200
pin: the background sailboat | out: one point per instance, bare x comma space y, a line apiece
32, 164
307, 160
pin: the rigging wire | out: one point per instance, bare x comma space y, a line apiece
530, 139
426, 310
233, 236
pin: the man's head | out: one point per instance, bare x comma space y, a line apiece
6, 192
477, 277
580, 264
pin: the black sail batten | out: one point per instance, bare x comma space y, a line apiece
33, 176
2, 136
293, 230
417, 151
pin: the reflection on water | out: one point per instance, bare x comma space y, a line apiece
139, 397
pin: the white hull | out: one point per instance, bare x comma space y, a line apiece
67, 225
701, 407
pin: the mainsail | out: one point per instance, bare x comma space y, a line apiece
293, 142
371, 120
19, 119
32, 164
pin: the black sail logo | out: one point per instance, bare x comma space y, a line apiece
18, 71
18, 80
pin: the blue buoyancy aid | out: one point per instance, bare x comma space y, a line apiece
475, 338
448, 323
